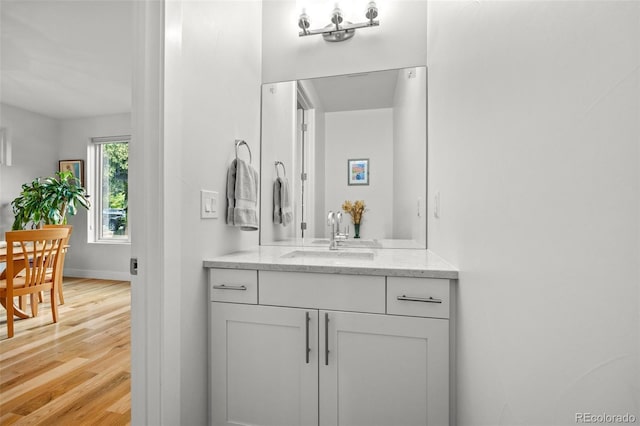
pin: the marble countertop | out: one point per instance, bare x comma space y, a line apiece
392, 262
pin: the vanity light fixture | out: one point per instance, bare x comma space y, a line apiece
338, 29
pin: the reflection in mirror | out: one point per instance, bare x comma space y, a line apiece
311, 129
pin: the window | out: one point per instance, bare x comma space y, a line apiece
111, 186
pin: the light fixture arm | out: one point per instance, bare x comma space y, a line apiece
338, 29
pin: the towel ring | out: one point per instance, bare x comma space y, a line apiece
241, 142
284, 170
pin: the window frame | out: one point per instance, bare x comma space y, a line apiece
95, 221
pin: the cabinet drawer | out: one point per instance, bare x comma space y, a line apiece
233, 285
420, 297
360, 293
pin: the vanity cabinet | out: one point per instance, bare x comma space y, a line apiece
322, 349
260, 374
383, 370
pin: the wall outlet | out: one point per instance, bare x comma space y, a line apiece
436, 205
208, 204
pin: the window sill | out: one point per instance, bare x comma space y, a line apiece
111, 242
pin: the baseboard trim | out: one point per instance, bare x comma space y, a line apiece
101, 275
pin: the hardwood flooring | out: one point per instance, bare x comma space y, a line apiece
75, 372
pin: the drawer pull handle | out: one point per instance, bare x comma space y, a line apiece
307, 348
230, 287
326, 338
419, 299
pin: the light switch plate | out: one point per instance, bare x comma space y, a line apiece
208, 204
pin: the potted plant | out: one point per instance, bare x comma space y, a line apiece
48, 201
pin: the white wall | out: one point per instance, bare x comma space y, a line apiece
410, 155
361, 134
534, 127
95, 260
398, 42
214, 75
34, 141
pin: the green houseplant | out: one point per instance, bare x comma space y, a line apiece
48, 201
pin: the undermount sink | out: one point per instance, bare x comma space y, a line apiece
352, 243
326, 254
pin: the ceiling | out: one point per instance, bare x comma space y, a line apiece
66, 59
351, 92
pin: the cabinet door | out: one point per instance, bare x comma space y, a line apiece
383, 370
262, 372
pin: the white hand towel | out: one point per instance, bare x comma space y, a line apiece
242, 209
277, 201
285, 202
231, 191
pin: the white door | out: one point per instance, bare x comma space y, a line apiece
383, 370
264, 365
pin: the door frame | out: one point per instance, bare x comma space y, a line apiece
155, 380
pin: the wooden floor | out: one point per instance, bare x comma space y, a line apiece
75, 372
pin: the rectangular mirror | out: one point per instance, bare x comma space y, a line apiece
349, 137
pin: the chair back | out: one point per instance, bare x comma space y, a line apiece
36, 252
60, 270
65, 243
69, 227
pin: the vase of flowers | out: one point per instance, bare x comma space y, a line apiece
356, 210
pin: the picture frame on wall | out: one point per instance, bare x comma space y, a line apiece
358, 171
76, 167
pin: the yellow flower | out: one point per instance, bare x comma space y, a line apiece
355, 209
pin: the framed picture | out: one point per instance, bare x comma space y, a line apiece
76, 167
358, 171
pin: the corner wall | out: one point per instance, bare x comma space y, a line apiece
213, 66
534, 130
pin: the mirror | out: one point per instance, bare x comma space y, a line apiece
349, 137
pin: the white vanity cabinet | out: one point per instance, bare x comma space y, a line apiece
383, 370
323, 349
260, 374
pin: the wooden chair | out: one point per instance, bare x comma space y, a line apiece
37, 251
63, 255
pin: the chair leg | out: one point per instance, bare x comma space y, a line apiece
60, 295
54, 305
9, 306
34, 304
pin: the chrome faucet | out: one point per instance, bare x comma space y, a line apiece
334, 220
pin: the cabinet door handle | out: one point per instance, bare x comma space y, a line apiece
326, 338
419, 299
230, 287
307, 348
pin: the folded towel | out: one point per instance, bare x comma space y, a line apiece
231, 191
285, 202
277, 201
242, 195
